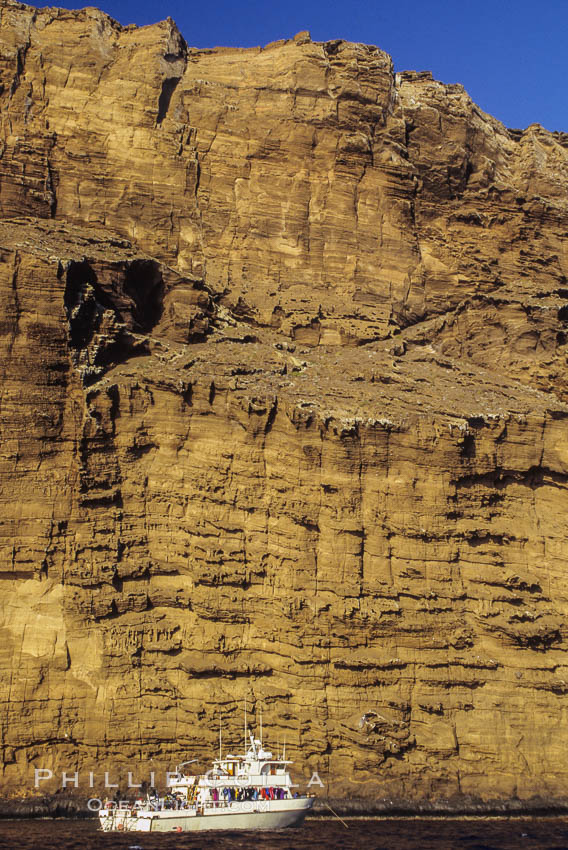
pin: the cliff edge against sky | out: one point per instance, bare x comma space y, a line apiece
283, 415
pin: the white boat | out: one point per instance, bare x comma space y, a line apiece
251, 791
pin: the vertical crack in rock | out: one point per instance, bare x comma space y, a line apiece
168, 87
174, 63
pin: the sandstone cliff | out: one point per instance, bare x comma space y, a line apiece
283, 415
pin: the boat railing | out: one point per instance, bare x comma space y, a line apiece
167, 804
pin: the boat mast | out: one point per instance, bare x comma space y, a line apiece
245, 725
261, 726
220, 737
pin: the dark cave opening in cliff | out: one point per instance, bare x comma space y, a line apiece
80, 303
144, 285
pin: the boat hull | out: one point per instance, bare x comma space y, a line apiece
265, 815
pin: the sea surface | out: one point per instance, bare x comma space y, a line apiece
360, 834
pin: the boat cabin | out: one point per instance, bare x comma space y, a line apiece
256, 769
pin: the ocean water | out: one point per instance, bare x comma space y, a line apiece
316, 834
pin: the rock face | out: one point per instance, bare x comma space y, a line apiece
283, 416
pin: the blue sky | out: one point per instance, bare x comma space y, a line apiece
511, 55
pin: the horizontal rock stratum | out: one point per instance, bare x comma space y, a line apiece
283, 415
